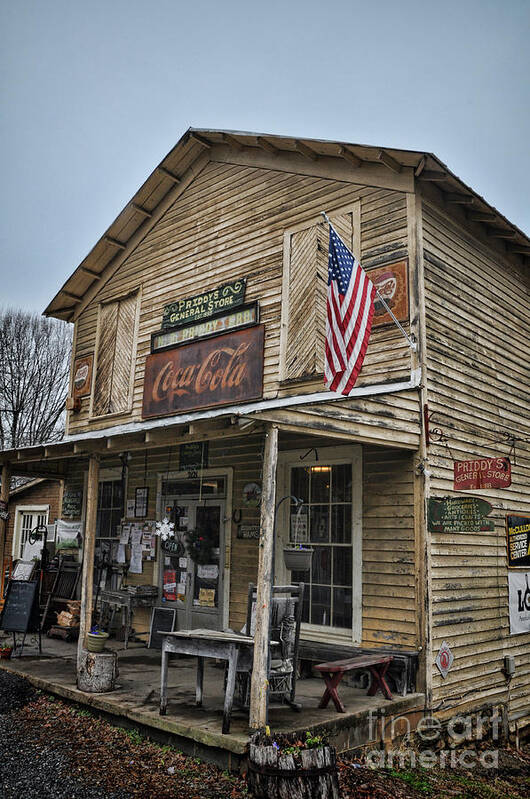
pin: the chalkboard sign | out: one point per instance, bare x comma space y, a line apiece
21, 609
72, 503
161, 619
459, 515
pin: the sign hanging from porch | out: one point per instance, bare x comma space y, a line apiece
202, 306
193, 456
482, 473
218, 371
519, 602
459, 515
518, 540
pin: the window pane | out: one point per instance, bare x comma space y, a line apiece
321, 566
320, 483
342, 566
106, 495
104, 526
341, 483
117, 493
321, 605
319, 523
341, 524
300, 483
342, 607
115, 519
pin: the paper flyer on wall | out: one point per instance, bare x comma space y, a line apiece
136, 559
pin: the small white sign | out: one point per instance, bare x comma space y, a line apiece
183, 563
130, 508
444, 659
519, 602
207, 571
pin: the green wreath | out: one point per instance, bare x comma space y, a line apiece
199, 545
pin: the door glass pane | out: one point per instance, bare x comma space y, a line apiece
321, 566
320, 605
319, 523
341, 483
300, 483
341, 524
342, 566
320, 483
206, 565
342, 607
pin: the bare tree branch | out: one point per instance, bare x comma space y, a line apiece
34, 369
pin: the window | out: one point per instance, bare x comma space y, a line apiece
327, 490
27, 520
304, 295
115, 356
110, 508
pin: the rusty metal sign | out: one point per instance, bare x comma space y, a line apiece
459, 515
482, 473
218, 371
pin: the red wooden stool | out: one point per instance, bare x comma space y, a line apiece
334, 671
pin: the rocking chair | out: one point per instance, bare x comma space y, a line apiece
286, 617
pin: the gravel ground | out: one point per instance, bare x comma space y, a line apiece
26, 767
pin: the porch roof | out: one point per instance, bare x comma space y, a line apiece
180, 164
227, 421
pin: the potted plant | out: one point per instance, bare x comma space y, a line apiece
297, 555
296, 764
96, 639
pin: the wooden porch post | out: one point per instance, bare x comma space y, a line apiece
87, 578
258, 686
4, 496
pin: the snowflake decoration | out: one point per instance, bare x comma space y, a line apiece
165, 529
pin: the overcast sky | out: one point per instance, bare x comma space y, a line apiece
96, 92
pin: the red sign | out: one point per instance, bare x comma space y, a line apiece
482, 473
216, 371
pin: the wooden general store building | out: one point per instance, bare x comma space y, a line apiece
199, 316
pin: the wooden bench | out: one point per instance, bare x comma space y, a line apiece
334, 671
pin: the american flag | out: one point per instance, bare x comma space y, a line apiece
350, 308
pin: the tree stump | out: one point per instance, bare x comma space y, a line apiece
312, 774
97, 672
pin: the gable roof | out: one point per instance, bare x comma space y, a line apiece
128, 228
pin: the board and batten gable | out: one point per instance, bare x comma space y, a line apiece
233, 221
478, 368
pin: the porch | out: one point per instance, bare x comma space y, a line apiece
197, 730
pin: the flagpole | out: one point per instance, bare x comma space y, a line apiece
411, 343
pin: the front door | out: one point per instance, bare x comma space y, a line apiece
27, 520
191, 562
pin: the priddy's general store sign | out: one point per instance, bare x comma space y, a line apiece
216, 371
202, 306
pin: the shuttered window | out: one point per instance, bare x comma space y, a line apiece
304, 298
115, 356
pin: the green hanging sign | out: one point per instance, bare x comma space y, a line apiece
459, 515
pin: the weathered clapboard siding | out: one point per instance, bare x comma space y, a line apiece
478, 330
230, 222
390, 603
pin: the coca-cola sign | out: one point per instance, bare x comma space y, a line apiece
217, 371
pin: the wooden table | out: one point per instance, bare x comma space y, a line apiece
334, 671
204, 644
126, 602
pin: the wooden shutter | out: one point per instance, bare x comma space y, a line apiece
115, 356
123, 358
308, 276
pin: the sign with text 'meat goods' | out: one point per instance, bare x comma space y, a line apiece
218, 371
